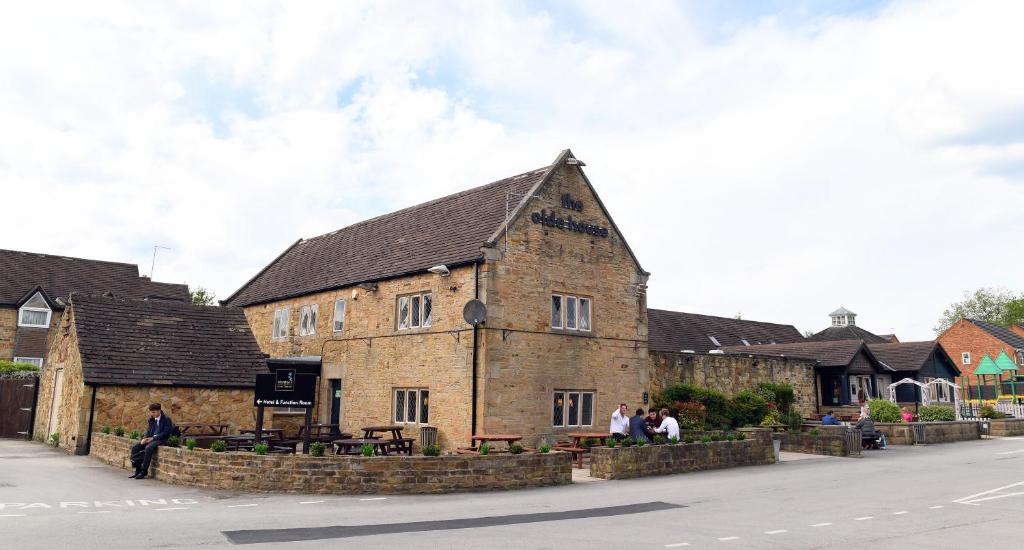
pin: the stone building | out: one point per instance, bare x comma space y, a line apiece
380, 305
111, 357
968, 340
34, 289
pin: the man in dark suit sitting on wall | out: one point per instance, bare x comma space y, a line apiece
159, 429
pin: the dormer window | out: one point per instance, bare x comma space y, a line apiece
35, 313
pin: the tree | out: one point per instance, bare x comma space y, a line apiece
994, 305
202, 297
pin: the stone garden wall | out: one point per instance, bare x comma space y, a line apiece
1007, 427
653, 460
826, 442
343, 474
934, 432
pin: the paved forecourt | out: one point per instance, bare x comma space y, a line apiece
941, 496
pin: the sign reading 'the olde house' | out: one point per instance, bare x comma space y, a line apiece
549, 219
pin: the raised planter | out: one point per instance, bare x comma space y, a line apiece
654, 460
827, 443
1007, 427
343, 474
928, 433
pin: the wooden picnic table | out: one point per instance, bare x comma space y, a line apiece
578, 437
370, 432
269, 433
354, 446
203, 428
509, 439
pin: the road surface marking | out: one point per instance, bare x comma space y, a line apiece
311, 502
375, 498
900, 513
96, 512
241, 505
990, 491
723, 539
12, 515
977, 500
168, 509
935, 507
863, 518
1011, 452
821, 524
677, 545
775, 532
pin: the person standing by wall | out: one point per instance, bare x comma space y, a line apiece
619, 427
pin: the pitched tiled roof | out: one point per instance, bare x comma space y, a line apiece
158, 342
849, 332
1000, 332
450, 231
677, 331
830, 353
58, 276
904, 356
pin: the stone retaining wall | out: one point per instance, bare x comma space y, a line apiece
935, 432
836, 443
1007, 427
343, 474
652, 460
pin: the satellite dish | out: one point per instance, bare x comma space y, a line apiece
474, 312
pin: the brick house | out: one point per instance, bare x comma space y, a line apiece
110, 357
969, 340
379, 304
687, 348
34, 289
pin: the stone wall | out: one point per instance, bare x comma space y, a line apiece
343, 474
730, 373
828, 444
935, 432
1007, 427
71, 420
8, 328
652, 460
127, 406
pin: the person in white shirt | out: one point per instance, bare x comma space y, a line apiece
669, 426
619, 427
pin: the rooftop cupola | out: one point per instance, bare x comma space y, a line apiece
843, 317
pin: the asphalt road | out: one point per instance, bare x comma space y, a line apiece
943, 496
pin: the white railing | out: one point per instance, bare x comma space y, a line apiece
1017, 411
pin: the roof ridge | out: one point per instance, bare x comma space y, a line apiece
65, 257
719, 317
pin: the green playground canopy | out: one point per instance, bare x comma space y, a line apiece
987, 366
1004, 362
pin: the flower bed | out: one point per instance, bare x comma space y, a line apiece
652, 460
342, 474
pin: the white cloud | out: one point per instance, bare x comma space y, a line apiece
778, 169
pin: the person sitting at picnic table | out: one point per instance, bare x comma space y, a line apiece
829, 419
669, 426
619, 427
906, 415
159, 429
638, 427
653, 420
868, 435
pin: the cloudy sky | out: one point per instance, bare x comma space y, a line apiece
773, 159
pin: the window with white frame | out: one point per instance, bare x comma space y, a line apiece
570, 408
307, 319
37, 361
411, 405
571, 312
966, 357
339, 315
415, 310
281, 322
35, 313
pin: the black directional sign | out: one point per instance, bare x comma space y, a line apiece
271, 392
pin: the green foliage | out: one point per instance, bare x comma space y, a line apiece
174, 441
716, 404
317, 448
190, 444
688, 439
705, 439
135, 435
55, 439
628, 442
782, 395
12, 367
995, 305
793, 421
936, 413
367, 450
201, 296
105, 429
730, 436
716, 437
611, 442
431, 450
260, 448
585, 443
692, 415
219, 446
641, 442
883, 410
660, 439
119, 431
545, 448
485, 448
740, 436
987, 411
673, 440
747, 408
813, 431
773, 418
515, 448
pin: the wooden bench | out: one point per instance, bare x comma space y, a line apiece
577, 452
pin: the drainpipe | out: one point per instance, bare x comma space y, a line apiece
92, 412
476, 331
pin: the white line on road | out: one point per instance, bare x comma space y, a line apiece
900, 513
1011, 452
826, 524
975, 501
375, 498
983, 493
936, 507
12, 515
863, 518
95, 512
723, 539
310, 502
169, 509
776, 532
241, 505
677, 545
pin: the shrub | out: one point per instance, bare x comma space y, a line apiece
883, 410
730, 437
366, 449
936, 413
135, 435
673, 440
54, 439
740, 436
814, 432
628, 442
219, 446
988, 411
317, 448
119, 431
545, 448
705, 439
660, 439
641, 442
611, 442
585, 443
431, 450
12, 367
174, 441
692, 415
747, 408
190, 444
689, 439
515, 448
716, 437
716, 404
773, 418
781, 394
105, 429
793, 421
